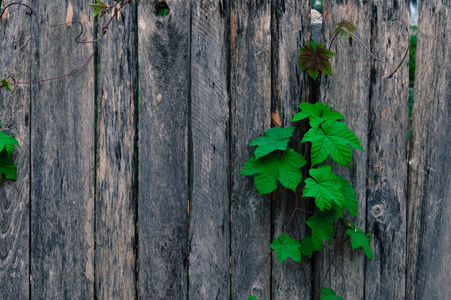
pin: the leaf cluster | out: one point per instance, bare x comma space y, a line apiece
7, 166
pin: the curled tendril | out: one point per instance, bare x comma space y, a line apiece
16, 3
388, 72
81, 32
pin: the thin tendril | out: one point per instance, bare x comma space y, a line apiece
16, 3
58, 77
81, 32
407, 51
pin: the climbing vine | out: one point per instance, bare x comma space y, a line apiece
274, 162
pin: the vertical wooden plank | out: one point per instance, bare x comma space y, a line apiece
290, 31
250, 41
117, 158
387, 154
209, 260
347, 92
62, 155
429, 207
163, 150
15, 50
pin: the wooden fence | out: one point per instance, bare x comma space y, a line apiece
128, 173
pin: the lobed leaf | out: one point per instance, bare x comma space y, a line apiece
345, 24
351, 203
307, 247
286, 247
7, 142
315, 58
329, 294
332, 138
322, 225
360, 239
276, 138
325, 187
318, 113
270, 169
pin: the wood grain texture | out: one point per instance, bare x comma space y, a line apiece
62, 154
347, 92
163, 150
387, 154
429, 206
250, 42
15, 50
209, 231
290, 31
117, 158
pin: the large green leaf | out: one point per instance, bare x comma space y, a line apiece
329, 294
286, 247
250, 297
276, 138
307, 247
315, 58
322, 225
7, 142
325, 187
332, 138
271, 169
318, 113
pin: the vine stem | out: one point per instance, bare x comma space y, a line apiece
16, 3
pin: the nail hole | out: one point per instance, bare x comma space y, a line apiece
161, 8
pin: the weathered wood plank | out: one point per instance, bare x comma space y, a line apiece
117, 159
209, 259
250, 41
290, 31
429, 206
62, 155
347, 91
15, 50
163, 44
387, 154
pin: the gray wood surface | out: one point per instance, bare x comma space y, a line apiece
209, 229
290, 26
116, 188
163, 150
15, 50
62, 154
347, 92
250, 42
429, 206
387, 154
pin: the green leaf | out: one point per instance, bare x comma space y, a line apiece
322, 225
351, 203
307, 247
286, 247
332, 138
276, 138
250, 297
315, 58
318, 113
5, 83
325, 187
360, 239
345, 24
7, 142
7, 166
329, 294
271, 169
98, 7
